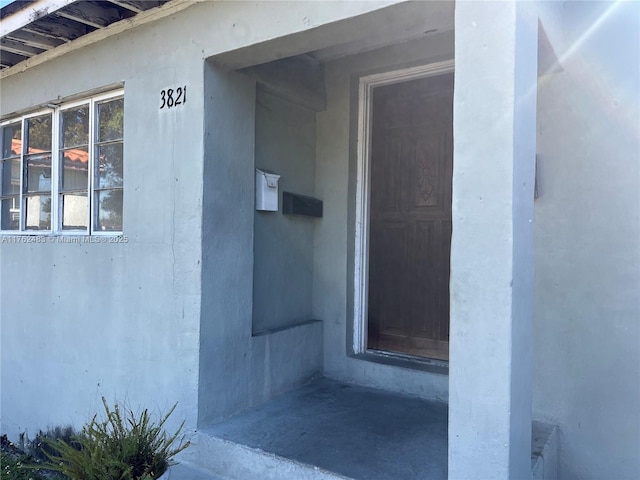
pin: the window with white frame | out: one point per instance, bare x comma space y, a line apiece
62, 168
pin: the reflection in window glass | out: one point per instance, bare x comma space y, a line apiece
111, 120
74, 211
110, 165
75, 127
38, 212
12, 140
75, 172
10, 177
39, 138
109, 210
10, 213
38, 175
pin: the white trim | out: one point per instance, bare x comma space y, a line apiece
22, 220
55, 169
23, 172
361, 251
93, 155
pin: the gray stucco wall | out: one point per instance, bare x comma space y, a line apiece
227, 242
237, 369
587, 231
334, 239
119, 320
124, 320
285, 142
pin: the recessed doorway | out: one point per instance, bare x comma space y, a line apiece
403, 244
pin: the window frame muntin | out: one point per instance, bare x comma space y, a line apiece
93, 132
21, 195
20, 176
56, 213
59, 191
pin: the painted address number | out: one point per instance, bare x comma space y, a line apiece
170, 97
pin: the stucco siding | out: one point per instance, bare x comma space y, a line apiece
587, 231
124, 321
80, 321
283, 244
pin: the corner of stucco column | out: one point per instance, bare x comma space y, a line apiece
490, 377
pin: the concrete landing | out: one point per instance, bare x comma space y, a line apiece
356, 432
329, 430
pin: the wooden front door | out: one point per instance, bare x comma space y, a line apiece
410, 217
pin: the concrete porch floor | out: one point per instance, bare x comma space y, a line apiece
330, 430
357, 432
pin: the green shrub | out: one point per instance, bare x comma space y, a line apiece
16, 464
128, 447
13, 468
40, 450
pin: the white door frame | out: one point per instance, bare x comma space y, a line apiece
363, 184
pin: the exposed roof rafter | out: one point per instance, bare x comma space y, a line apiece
10, 58
20, 48
31, 13
31, 27
128, 5
90, 14
34, 40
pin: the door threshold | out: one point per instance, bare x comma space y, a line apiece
405, 361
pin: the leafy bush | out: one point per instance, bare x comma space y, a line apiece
40, 449
128, 447
13, 468
16, 464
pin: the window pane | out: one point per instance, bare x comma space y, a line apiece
11, 140
109, 214
110, 120
39, 129
75, 174
110, 166
10, 177
38, 173
74, 212
75, 127
10, 208
38, 212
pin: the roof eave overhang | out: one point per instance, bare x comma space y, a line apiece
20, 23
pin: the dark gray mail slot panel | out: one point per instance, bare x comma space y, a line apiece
295, 204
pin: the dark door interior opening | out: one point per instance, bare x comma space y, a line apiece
410, 217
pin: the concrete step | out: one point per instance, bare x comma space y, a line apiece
183, 471
224, 459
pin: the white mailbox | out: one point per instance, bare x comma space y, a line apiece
266, 190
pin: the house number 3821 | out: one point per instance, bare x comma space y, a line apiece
170, 97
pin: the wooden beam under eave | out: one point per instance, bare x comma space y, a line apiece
95, 16
66, 30
34, 40
127, 6
10, 59
77, 19
30, 13
143, 5
154, 14
19, 48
